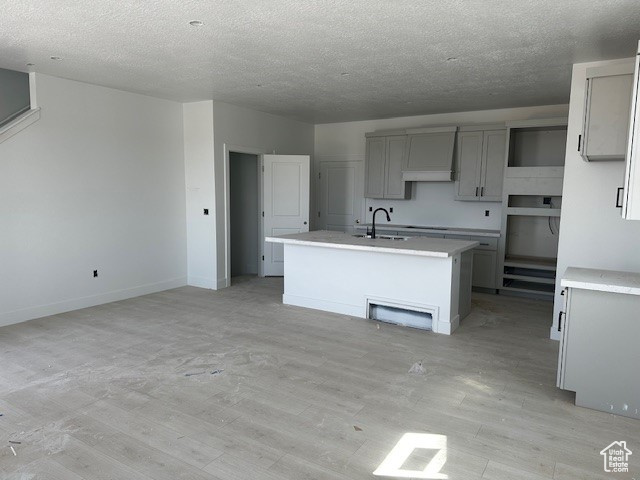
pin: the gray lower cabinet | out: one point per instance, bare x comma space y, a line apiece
599, 354
485, 259
383, 167
606, 113
480, 164
484, 269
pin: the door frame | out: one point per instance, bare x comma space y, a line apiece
228, 148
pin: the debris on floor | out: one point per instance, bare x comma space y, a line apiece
14, 451
216, 372
417, 368
15, 443
356, 428
192, 374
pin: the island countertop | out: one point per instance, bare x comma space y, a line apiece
417, 246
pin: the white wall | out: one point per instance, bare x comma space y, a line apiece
198, 164
237, 127
592, 233
97, 183
432, 203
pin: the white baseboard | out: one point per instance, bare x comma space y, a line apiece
201, 282
345, 309
447, 328
22, 315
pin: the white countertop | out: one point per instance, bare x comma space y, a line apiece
602, 280
418, 246
475, 232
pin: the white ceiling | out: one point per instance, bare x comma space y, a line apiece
286, 57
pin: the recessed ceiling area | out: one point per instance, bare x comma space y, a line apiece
323, 62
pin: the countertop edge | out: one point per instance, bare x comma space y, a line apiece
370, 248
602, 280
448, 231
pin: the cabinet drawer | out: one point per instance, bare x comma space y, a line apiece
458, 237
429, 235
486, 243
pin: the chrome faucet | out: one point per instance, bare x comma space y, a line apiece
373, 222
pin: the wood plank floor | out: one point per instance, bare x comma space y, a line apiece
125, 391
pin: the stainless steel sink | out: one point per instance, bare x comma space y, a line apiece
382, 237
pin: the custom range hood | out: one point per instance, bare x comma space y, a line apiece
429, 154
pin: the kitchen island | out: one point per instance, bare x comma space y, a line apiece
393, 279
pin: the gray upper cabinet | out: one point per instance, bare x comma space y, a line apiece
375, 167
606, 113
631, 188
480, 163
383, 167
469, 165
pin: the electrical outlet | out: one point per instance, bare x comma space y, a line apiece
546, 200
371, 209
486, 213
95, 273
390, 209
206, 211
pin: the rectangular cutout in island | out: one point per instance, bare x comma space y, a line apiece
340, 273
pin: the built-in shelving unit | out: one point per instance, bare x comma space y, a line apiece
532, 196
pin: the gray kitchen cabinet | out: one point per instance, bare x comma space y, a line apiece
480, 163
606, 113
485, 259
383, 167
484, 269
598, 357
374, 168
469, 165
631, 187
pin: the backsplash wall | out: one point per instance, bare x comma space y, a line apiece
433, 204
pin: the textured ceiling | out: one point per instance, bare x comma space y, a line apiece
287, 57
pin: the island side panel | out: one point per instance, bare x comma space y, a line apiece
340, 281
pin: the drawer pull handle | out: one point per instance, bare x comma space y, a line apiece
483, 243
618, 202
560, 321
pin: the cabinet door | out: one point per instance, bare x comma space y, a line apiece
631, 198
493, 159
606, 122
484, 269
394, 186
375, 167
469, 165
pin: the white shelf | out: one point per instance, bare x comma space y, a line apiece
536, 263
534, 211
529, 278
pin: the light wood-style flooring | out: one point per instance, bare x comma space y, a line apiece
125, 391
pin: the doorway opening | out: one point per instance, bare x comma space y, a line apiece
244, 217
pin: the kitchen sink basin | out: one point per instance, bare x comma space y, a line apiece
382, 237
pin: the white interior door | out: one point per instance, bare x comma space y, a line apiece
340, 195
286, 204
